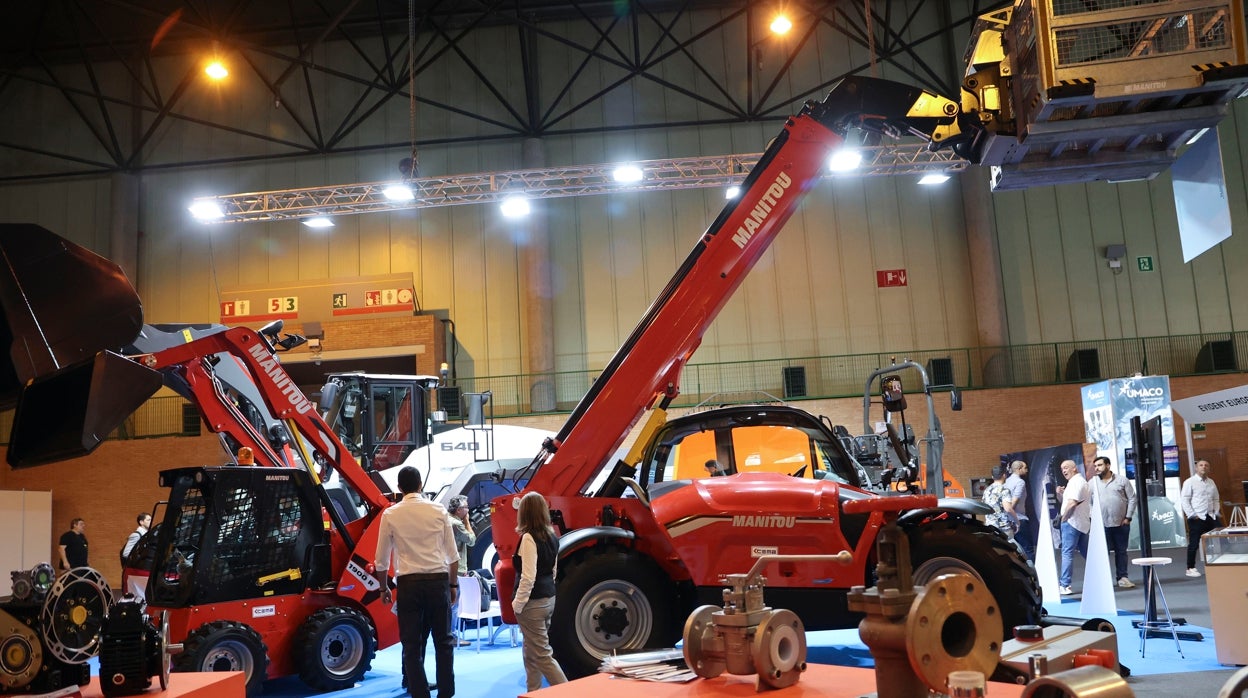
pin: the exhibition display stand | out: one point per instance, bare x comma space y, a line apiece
1226, 569
818, 681
209, 684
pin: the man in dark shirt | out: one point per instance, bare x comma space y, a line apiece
74, 545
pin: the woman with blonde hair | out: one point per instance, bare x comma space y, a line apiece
534, 602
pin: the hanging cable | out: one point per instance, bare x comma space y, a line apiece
412, 166
875, 73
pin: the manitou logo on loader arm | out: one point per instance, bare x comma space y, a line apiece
762, 210
764, 521
282, 381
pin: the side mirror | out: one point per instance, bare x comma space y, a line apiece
955, 400
894, 397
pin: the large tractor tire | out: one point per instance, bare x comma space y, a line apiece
334, 647
609, 600
958, 544
225, 645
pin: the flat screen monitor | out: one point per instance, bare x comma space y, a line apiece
1169, 459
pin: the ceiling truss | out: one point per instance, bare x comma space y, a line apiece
659, 175
57, 44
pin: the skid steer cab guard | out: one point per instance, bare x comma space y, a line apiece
65, 308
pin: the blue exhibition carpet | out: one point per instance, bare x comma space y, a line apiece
1160, 655
497, 670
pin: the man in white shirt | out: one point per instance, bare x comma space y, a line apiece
1076, 519
1202, 505
417, 532
135, 579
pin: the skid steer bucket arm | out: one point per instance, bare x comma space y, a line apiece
64, 308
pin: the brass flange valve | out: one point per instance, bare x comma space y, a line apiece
919, 635
746, 637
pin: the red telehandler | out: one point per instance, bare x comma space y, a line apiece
639, 552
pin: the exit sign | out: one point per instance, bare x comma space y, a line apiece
889, 278
1144, 263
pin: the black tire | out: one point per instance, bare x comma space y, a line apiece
482, 555
225, 645
334, 647
963, 545
607, 600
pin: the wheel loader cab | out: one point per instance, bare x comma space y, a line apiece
746, 439
229, 531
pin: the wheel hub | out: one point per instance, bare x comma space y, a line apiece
612, 619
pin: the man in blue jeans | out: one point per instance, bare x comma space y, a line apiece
1076, 519
1117, 497
1016, 506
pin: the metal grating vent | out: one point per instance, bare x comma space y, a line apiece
1141, 38
1064, 8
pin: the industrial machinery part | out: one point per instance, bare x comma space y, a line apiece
1083, 91
74, 614
1083, 682
133, 650
50, 628
1236, 686
747, 637
21, 653
1059, 645
918, 635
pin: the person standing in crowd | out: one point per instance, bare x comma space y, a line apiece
996, 496
1016, 505
134, 581
534, 602
1076, 517
74, 545
465, 538
1117, 496
417, 531
1202, 506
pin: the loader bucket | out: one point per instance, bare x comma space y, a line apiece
68, 413
62, 304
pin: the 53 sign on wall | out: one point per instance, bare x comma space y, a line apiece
285, 304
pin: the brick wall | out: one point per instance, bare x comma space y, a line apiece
109, 487
378, 333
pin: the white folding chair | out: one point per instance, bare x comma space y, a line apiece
470, 609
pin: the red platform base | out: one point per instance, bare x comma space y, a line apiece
212, 684
819, 681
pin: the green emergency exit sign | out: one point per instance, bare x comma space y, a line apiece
1144, 263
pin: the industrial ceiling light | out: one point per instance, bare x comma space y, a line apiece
216, 70
781, 25
845, 160
515, 206
732, 192
319, 222
934, 178
398, 192
206, 210
628, 174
